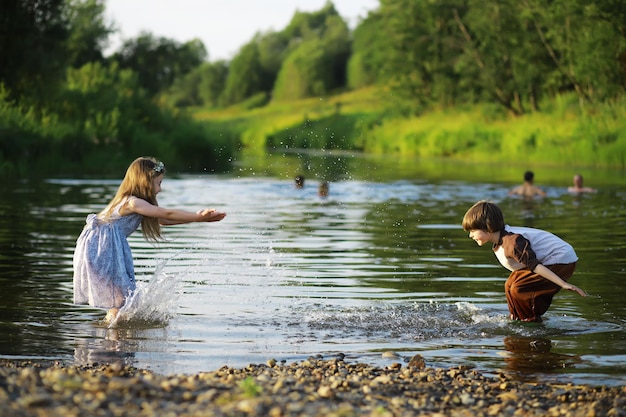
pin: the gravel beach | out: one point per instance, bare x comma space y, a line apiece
313, 387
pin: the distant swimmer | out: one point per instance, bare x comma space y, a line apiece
528, 189
299, 181
323, 189
578, 186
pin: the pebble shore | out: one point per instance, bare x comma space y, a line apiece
313, 387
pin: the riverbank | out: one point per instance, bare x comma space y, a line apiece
562, 134
314, 387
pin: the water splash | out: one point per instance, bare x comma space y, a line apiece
417, 322
153, 303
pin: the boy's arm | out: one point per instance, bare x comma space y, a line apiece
545, 272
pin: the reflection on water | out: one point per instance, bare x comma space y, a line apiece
375, 266
526, 355
105, 345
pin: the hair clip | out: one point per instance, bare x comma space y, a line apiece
158, 167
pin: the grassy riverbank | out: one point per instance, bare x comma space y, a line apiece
563, 134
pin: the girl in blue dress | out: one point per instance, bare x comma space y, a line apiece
104, 274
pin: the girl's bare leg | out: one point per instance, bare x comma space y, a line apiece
111, 314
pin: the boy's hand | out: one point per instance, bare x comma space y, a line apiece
575, 289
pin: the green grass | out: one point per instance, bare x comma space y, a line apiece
561, 135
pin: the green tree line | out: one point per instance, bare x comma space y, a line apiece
65, 107
444, 53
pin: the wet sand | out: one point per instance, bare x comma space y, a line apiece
314, 387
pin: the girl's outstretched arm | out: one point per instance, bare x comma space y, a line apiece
171, 216
208, 215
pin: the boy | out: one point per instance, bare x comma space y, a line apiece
540, 262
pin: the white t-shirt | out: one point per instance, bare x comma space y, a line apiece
549, 249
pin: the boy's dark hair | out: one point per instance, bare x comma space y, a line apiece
484, 215
528, 176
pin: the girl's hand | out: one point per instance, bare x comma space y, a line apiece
211, 215
575, 289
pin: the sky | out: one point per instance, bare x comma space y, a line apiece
224, 26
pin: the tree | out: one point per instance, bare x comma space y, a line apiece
88, 31
185, 91
101, 101
369, 52
422, 48
212, 82
497, 43
160, 61
202, 86
508, 52
307, 25
337, 44
304, 73
32, 41
273, 49
245, 75
585, 42
318, 56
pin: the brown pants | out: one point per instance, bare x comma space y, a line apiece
529, 294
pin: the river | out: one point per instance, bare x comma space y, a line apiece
380, 270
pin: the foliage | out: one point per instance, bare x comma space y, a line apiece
212, 80
32, 41
185, 91
257, 100
337, 131
309, 25
273, 48
253, 71
307, 58
368, 56
98, 101
336, 43
317, 65
304, 73
102, 114
250, 388
257, 127
358, 121
88, 32
246, 76
159, 61
567, 137
203, 86
466, 79
510, 52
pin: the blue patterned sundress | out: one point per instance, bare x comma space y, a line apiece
104, 273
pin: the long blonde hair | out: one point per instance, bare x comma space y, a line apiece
138, 183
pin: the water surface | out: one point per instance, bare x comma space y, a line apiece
381, 265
